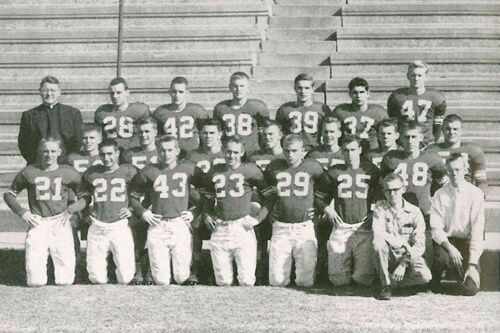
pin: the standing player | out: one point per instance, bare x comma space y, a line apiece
359, 117
117, 120
210, 151
49, 233
416, 102
271, 139
89, 150
388, 136
290, 197
229, 188
452, 132
304, 115
328, 153
240, 114
353, 189
109, 230
169, 234
180, 117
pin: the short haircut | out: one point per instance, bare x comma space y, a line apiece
267, 122
179, 80
49, 79
331, 120
208, 122
109, 143
49, 139
456, 157
147, 120
358, 82
392, 177
239, 76
292, 138
389, 122
119, 80
233, 139
91, 128
303, 77
167, 138
349, 138
410, 125
417, 64
451, 118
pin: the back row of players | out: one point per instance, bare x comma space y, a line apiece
224, 191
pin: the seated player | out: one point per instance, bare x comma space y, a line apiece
452, 132
240, 114
227, 214
117, 119
388, 136
328, 153
398, 240
169, 236
48, 185
89, 149
180, 117
346, 193
457, 222
303, 115
416, 102
271, 140
360, 117
109, 230
290, 200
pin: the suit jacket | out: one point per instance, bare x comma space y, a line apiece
34, 127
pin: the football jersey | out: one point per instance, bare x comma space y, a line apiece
47, 190
167, 189
474, 155
242, 121
181, 124
325, 157
353, 191
418, 174
232, 189
364, 124
374, 156
119, 125
307, 120
403, 104
291, 190
139, 157
263, 157
109, 190
205, 160
81, 162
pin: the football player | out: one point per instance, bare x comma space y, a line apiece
210, 151
271, 139
328, 153
48, 185
303, 115
89, 150
240, 114
117, 119
388, 135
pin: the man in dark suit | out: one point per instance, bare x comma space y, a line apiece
50, 118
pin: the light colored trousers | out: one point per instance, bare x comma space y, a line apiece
54, 237
113, 237
297, 241
170, 241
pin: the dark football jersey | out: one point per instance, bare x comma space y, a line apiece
82, 162
109, 190
47, 190
139, 157
418, 174
232, 189
119, 125
291, 190
364, 124
182, 125
353, 191
403, 104
302, 119
242, 121
205, 160
263, 157
326, 158
374, 156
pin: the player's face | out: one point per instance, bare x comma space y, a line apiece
331, 134
91, 141
118, 94
239, 88
109, 156
417, 77
452, 132
179, 93
304, 91
271, 136
388, 136
50, 93
351, 153
50, 152
233, 153
393, 191
359, 95
147, 134
456, 171
169, 152
210, 136
294, 152
411, 140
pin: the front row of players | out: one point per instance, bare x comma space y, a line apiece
389, 243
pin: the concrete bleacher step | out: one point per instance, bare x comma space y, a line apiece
290, 47
289, 60
302, 10
290, 72
306, 22
298, 34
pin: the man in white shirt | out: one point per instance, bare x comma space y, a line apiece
457, 224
